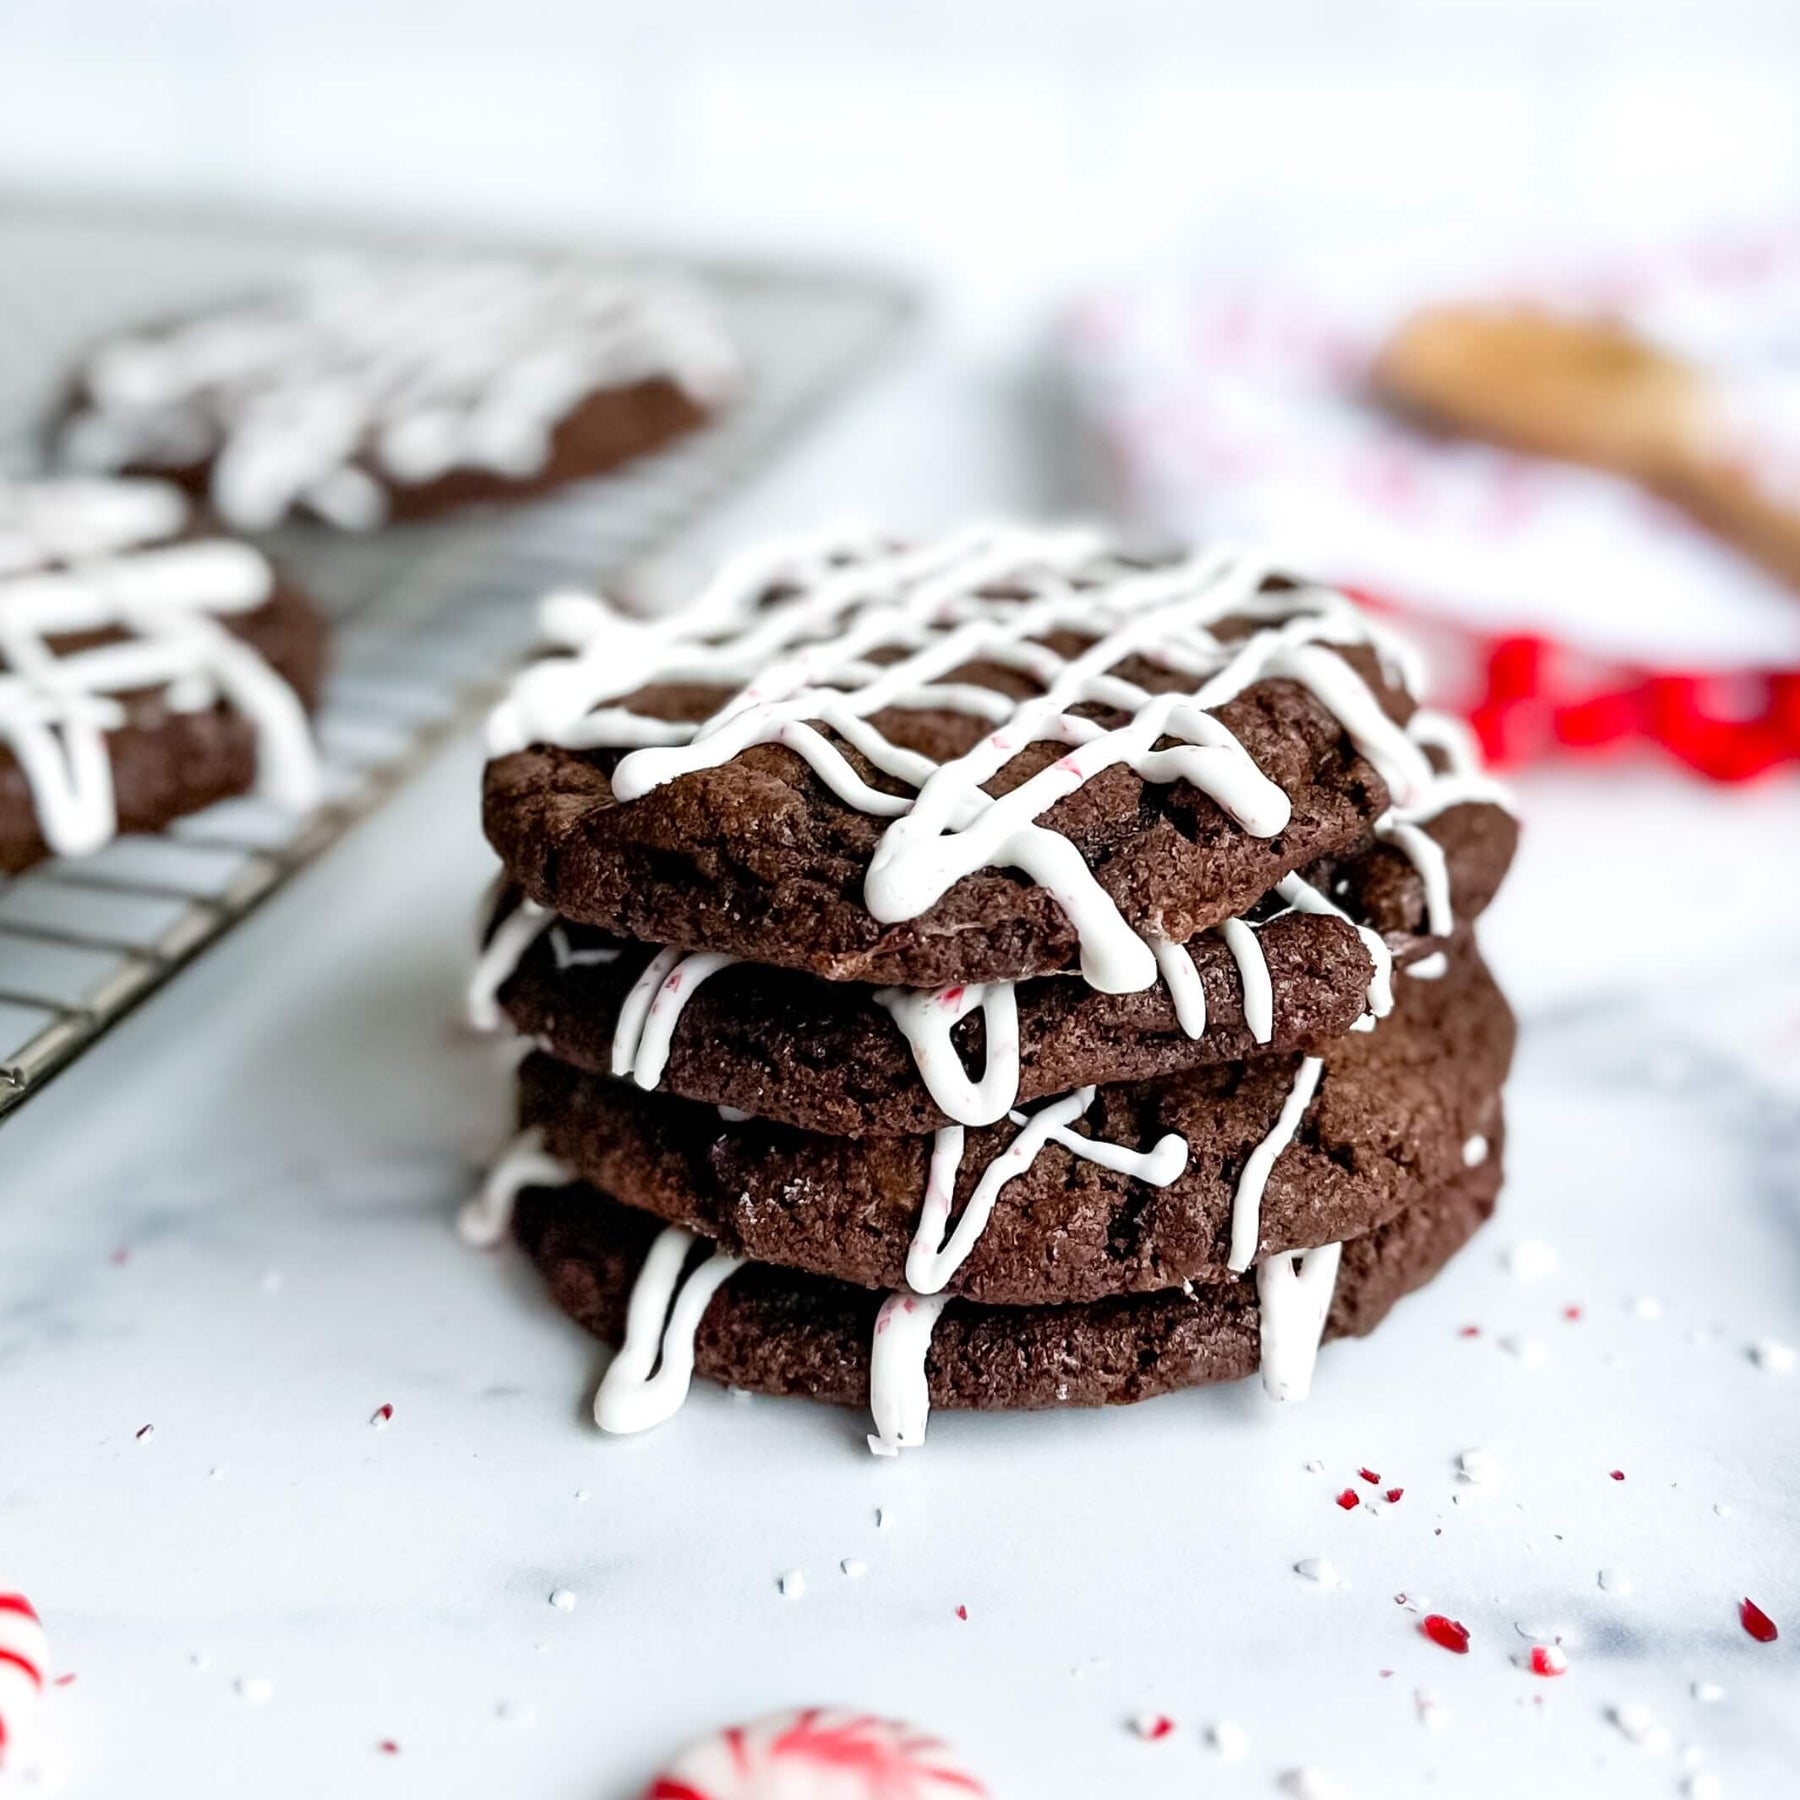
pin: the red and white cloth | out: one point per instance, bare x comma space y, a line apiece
1566, 609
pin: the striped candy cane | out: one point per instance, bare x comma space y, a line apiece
23, 1651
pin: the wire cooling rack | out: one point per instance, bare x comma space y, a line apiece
429, 618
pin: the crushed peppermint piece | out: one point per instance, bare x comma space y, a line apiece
1778, 1359
1446, 1633
388, 1747
1614, 1581
1530, 1351
1640, 1724
854, 1567
1757, 1622
1547, 1659
1315, 1467
1469, 1331
962, 1612
792, 1584
381, 1416
563, 1599
1319, 1569
1392, 1496
1229, 1741
1721, 1509
1617, 1474
1572, 1314
1152, 1727
1348, 1500
1531, 1260
254, 1689
1706, 1692
1370, 1477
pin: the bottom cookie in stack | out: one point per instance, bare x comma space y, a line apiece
770, 1258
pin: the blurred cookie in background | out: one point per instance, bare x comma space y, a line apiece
373, 391
147, 668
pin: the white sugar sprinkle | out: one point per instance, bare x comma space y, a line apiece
854, 1567
255, 1689
1778, 1359
563, 1599
1229, 1740
792, 1584
1640, 1724
1646, 1307
1530, 1351
1480, 1467
1433, 1714
1532, 1259
1706, 1692
1703, 1785
1722, 1509
1309, 1784
1474, 1152
1614, 1581
1319, 1569
1315, 1467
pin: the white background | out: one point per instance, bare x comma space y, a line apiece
299, 1107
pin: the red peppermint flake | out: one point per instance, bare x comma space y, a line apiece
1348, 1500
1152, 1726
120, 1257
64, 1680
381, 1415
1470, 1331
1393, 1494
388, 1747
1385, 1673
962, 1612
1447, 1634
1548, 1659
1572, 1313
1757, 1622
1370, 1477
1618, 1474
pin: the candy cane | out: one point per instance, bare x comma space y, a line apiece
23, 1653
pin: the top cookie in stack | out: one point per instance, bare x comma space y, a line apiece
1003, 917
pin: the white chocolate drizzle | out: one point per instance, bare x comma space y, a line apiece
899, 1389
647, 1019
872, 628
82, 557
1246, 1202
365, 376
1253, 975
937, 1252
1293, 1294
485, 1220
648, 1379
1430, 968
926, 1019
500, 958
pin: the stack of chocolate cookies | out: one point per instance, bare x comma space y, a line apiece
999, 971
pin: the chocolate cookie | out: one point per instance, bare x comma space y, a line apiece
987, 758
369, 392
775, 1332
844, 1058
1139, 1185
146, 671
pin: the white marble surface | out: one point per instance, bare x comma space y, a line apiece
232, 1222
